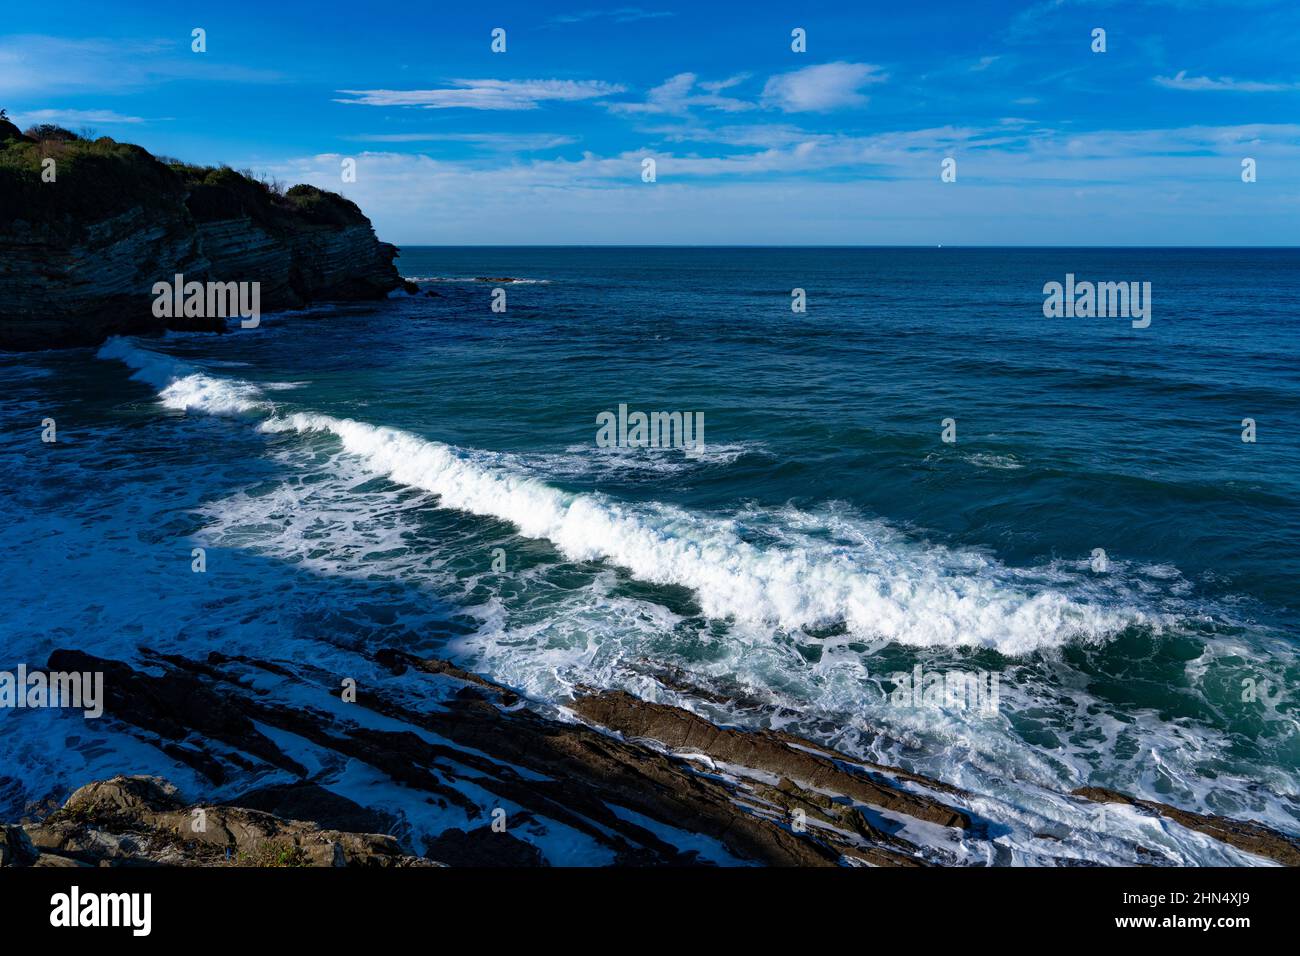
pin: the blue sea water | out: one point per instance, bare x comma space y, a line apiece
423, 473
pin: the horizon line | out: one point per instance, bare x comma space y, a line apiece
730, 245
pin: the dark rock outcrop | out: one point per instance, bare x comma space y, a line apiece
79, 255
140, 821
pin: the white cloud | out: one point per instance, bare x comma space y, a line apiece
717, 86
827, 86
1181, 81
487, 94
677, 95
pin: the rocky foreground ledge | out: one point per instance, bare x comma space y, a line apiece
642, 783
84, 239
130, 821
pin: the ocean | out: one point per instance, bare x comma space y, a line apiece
1096, 540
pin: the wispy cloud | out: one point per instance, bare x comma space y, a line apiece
37, 64
1181, 81
487, 94
504, 142
766, 135
621, 15
76, 117
820, 88
678, 94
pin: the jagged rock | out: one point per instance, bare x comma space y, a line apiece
123, 795
140, 821
1251, 837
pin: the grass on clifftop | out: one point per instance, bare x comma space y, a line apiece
97, 179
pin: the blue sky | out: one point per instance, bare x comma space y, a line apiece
754, 143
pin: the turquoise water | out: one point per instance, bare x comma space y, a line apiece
353, 471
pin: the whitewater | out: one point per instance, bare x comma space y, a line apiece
915, 595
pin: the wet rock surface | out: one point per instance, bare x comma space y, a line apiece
1251, 837
485, 778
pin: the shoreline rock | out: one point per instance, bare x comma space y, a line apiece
644, 784
140, 821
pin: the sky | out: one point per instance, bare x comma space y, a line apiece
753, 142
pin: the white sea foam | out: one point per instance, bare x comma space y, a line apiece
182, 386
630, 464
1002, 462
908, 593
876, 586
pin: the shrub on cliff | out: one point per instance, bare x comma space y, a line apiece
217, 193
43, 132
94, 179
325, 208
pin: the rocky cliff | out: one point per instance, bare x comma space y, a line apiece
87, 228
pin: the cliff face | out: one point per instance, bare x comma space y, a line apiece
79, 255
